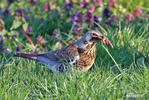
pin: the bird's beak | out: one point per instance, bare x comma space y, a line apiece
101, 37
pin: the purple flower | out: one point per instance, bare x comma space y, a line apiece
107, 13
1, 40
17, 48
1, 37
46, 7
29, 29
19, 12
108, 22
6, 12
34, 52
112, 3
137, 12
6, 51
129, 17
27, 17
95, 19
88, 17
68, 6
33, 2
25, 10
76, 18
114, 19
91, 8
77, 29
84, 3
1, 43
98, 1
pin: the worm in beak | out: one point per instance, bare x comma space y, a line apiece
106, 41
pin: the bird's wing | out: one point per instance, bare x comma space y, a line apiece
69, 54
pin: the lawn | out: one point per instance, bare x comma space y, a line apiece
40, 26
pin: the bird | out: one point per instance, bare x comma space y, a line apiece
79, 55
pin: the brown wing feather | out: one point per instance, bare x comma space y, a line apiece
66, 53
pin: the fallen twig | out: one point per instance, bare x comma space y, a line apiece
28, 38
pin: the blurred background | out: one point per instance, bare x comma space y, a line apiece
35, 25
39, 26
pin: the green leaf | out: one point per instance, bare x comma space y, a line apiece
3, 32
15, 24
25, 26
30, 46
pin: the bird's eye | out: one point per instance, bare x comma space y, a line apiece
85, 42
94, 35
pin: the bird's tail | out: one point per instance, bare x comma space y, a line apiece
28, 56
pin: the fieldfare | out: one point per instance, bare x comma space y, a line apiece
79, 55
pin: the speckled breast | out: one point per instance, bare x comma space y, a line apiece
86, 59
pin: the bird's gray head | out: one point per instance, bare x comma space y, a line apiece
91, 37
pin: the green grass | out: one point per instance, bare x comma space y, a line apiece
119, 73
23, 79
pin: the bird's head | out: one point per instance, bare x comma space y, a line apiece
93, 36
